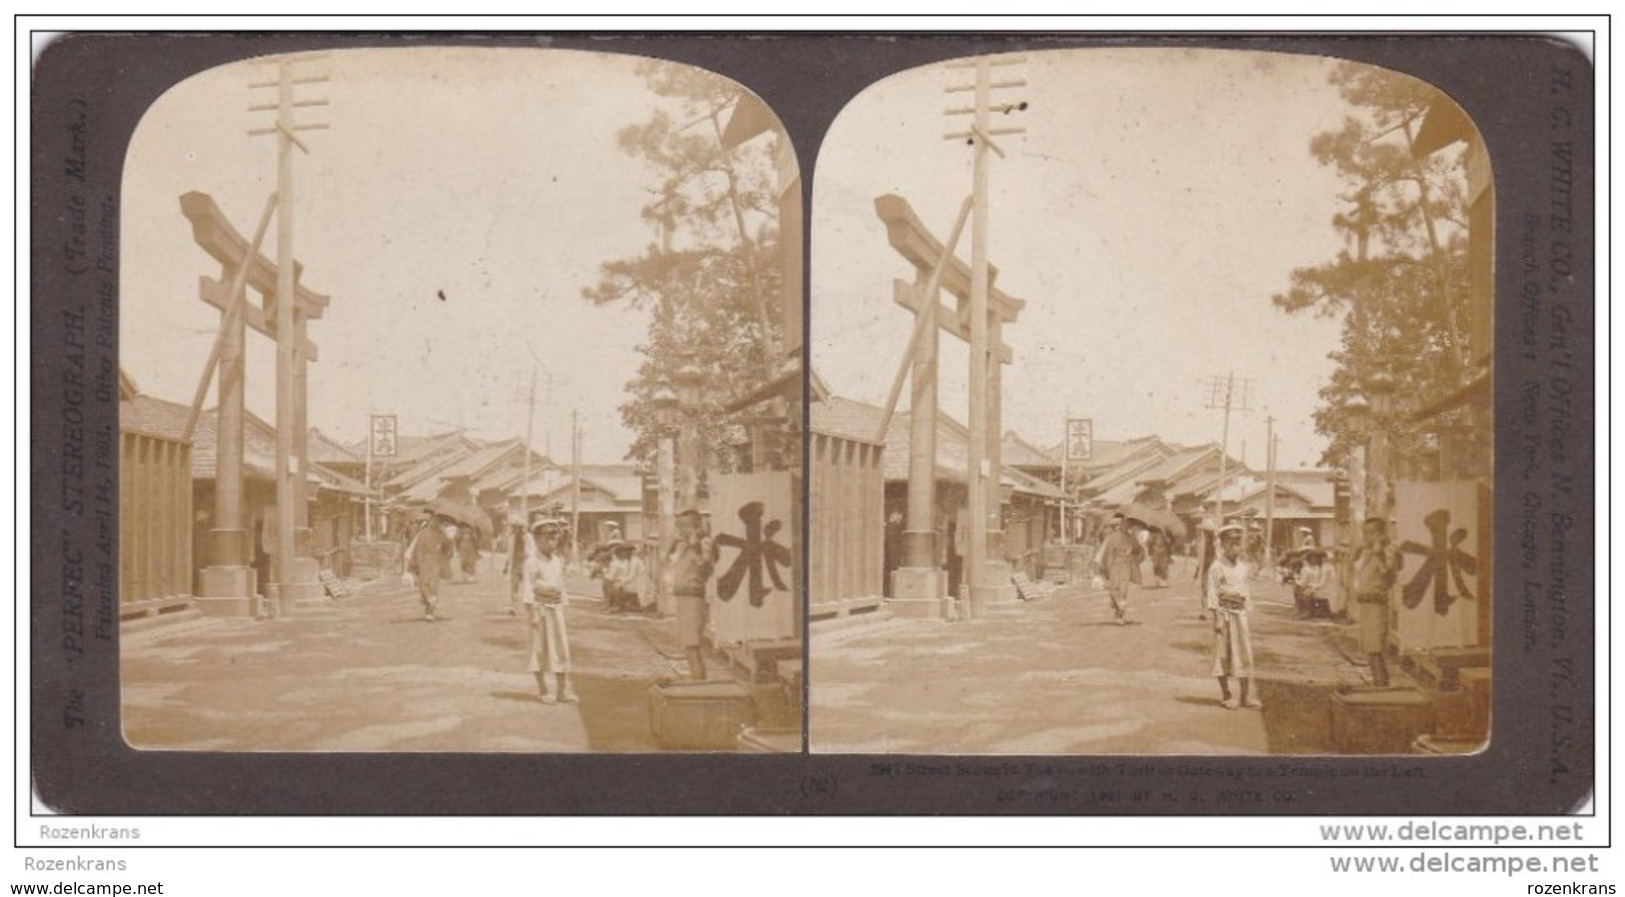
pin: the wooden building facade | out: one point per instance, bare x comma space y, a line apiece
847, 524
155, 520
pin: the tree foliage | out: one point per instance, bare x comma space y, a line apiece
1401, 281
709, 276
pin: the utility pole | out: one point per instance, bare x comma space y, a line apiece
366, 500
1222, 393
982, 457
1066, 456
575, 482
530, 433
294, 566
1269, 494
530, 429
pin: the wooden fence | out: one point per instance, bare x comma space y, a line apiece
846, 538
155, 521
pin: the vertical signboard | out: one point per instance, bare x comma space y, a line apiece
1080, 439
750, 521
1438, 598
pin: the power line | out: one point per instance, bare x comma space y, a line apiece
1231, 394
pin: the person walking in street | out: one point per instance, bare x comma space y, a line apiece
1118, 560
1228, 596
518, 549
1376, 568
1255, 547
545, 600
1162, 555
1142, 542
427, 558
468, 550
691, 560
1205, 551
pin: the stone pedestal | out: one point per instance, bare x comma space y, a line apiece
283, 599
919, 593
226, 591
997, 589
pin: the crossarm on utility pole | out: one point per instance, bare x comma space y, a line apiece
926, 318
239, 286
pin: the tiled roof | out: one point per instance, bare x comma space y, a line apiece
412, 449
430, 460
845, 418
596, 495
1314, 485
152, 417
1018, 452
1170, 470
855, 420
1126, 470
620, 480
472, 465
506, 476
1107, 453
157, 417
323, 449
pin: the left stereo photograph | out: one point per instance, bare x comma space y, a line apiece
459, 408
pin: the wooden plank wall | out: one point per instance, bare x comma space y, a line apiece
155, 518
846, 535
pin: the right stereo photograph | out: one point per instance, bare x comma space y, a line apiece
1150, 411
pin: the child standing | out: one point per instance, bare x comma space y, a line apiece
1228, 596
545, 602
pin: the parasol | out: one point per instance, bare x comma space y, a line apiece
1162, 518
462, 512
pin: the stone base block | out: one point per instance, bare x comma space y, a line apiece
918, 608
243, 606
283, 599
920, 593
919, 583
227, 591
226, 582
998, 589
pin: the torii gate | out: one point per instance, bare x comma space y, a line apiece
227, 585
919, 586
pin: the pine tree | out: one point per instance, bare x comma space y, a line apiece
710, 278
1401, 280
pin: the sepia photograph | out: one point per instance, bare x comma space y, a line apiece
529, 438
1150, 410
459, 408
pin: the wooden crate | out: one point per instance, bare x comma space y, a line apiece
1379, 720
700, 715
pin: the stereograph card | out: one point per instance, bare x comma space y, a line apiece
997, 424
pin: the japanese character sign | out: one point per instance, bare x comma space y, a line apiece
383, 435
750, 514
1444, 565
757, 552
1080, 439
1437, 602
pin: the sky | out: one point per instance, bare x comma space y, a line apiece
489, 175
1155, 203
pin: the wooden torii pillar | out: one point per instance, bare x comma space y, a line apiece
227, 584
919, 585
